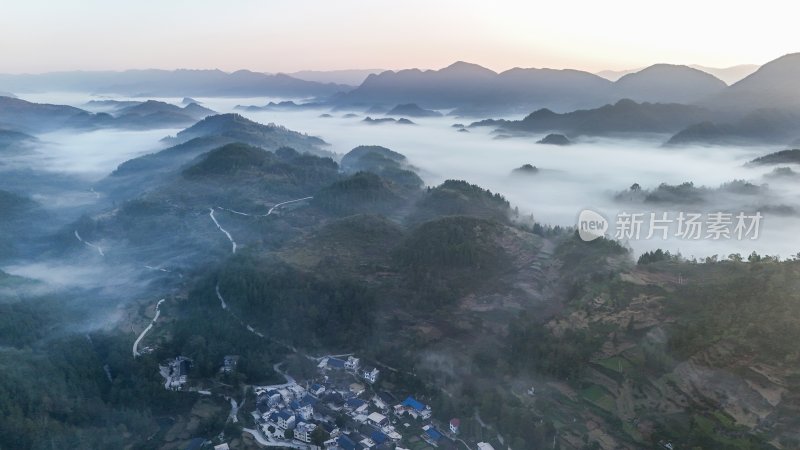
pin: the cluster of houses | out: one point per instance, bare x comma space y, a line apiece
351, 364
175, 373
337, 403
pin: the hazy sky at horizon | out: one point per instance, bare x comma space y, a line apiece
286, 36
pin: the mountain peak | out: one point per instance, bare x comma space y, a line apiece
668, 83
463, 67
775, 85
663, 69
787, 67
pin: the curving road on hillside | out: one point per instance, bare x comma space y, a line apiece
269, 212
221, 300
230, 238
149, 327
286, 203
89, 244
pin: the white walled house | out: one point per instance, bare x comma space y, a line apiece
352, 363
370, 375
303, 431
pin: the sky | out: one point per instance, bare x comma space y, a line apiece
286, 36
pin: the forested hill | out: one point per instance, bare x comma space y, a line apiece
277, 254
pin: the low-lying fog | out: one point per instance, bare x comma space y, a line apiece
587, 174
91, 155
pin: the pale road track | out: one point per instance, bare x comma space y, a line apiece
89, 244
271, 210
149, 327
283, 444
221, 300
286, 203
230, 238
259, 437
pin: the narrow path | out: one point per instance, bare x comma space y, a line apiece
286, 203
289, 379
221, 300
150, 326
269, 443
89, 244
240, 213
233, 416
271, 210
230, 238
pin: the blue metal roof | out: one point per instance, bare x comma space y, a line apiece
411, 402
379, 437
433, 433
346, 443
336, 362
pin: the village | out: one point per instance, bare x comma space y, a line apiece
341, 409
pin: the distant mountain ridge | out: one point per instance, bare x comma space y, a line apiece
667, 83
764, 107
775, 85
21, 115
729, 75
773, 126
624, 116
171, 83
470, 89
349, 77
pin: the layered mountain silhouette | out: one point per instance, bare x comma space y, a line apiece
215, 131
237, 128
470, 89
761, 126
775, 85
412, 110
171, 83
729, 75
764, 107
692, 105
666, 83
29, 117
350, 77
624, 116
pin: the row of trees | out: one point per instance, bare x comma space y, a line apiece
661, 255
